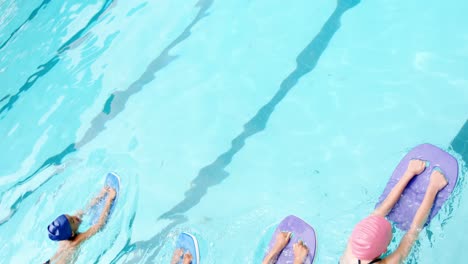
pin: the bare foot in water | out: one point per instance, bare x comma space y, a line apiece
187, 258
177, 255
300, 252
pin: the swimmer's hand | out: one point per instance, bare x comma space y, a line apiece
437, 181
300, 252
102, 219
282, 239
415, 167
111, 193
94, 201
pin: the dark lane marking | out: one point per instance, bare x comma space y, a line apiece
54, 160
46, 67
113, 105
116, 102
460, 143
4, 98
214, 173
31, 17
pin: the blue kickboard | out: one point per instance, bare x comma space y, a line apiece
113, 181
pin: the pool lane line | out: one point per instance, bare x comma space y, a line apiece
49, 65
214, 173
116, 101
54, 160
4, 98
33, 14
114, 104
459, 143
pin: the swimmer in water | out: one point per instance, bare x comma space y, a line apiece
180, 255
65, 229
371, 237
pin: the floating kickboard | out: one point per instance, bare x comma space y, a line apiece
403, 212
113, 181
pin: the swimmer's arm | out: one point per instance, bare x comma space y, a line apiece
102, 219
415, 167
403, 250
419, 220
346, 255
392, 198
272, 255
92, 203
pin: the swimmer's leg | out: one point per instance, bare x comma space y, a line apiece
282, 239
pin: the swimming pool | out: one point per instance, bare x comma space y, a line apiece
223, 117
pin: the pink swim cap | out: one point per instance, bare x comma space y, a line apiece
371, 237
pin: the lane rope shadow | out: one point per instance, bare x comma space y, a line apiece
48, 66
114, 105
31, 16
214, 173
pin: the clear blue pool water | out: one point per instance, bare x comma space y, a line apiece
223, 117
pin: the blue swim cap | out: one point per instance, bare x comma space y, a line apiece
60, 229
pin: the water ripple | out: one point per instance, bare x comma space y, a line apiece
33, 14
307, 59
113, 105
214, 173
46, 67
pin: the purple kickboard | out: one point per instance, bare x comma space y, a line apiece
300, 231
403, 212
